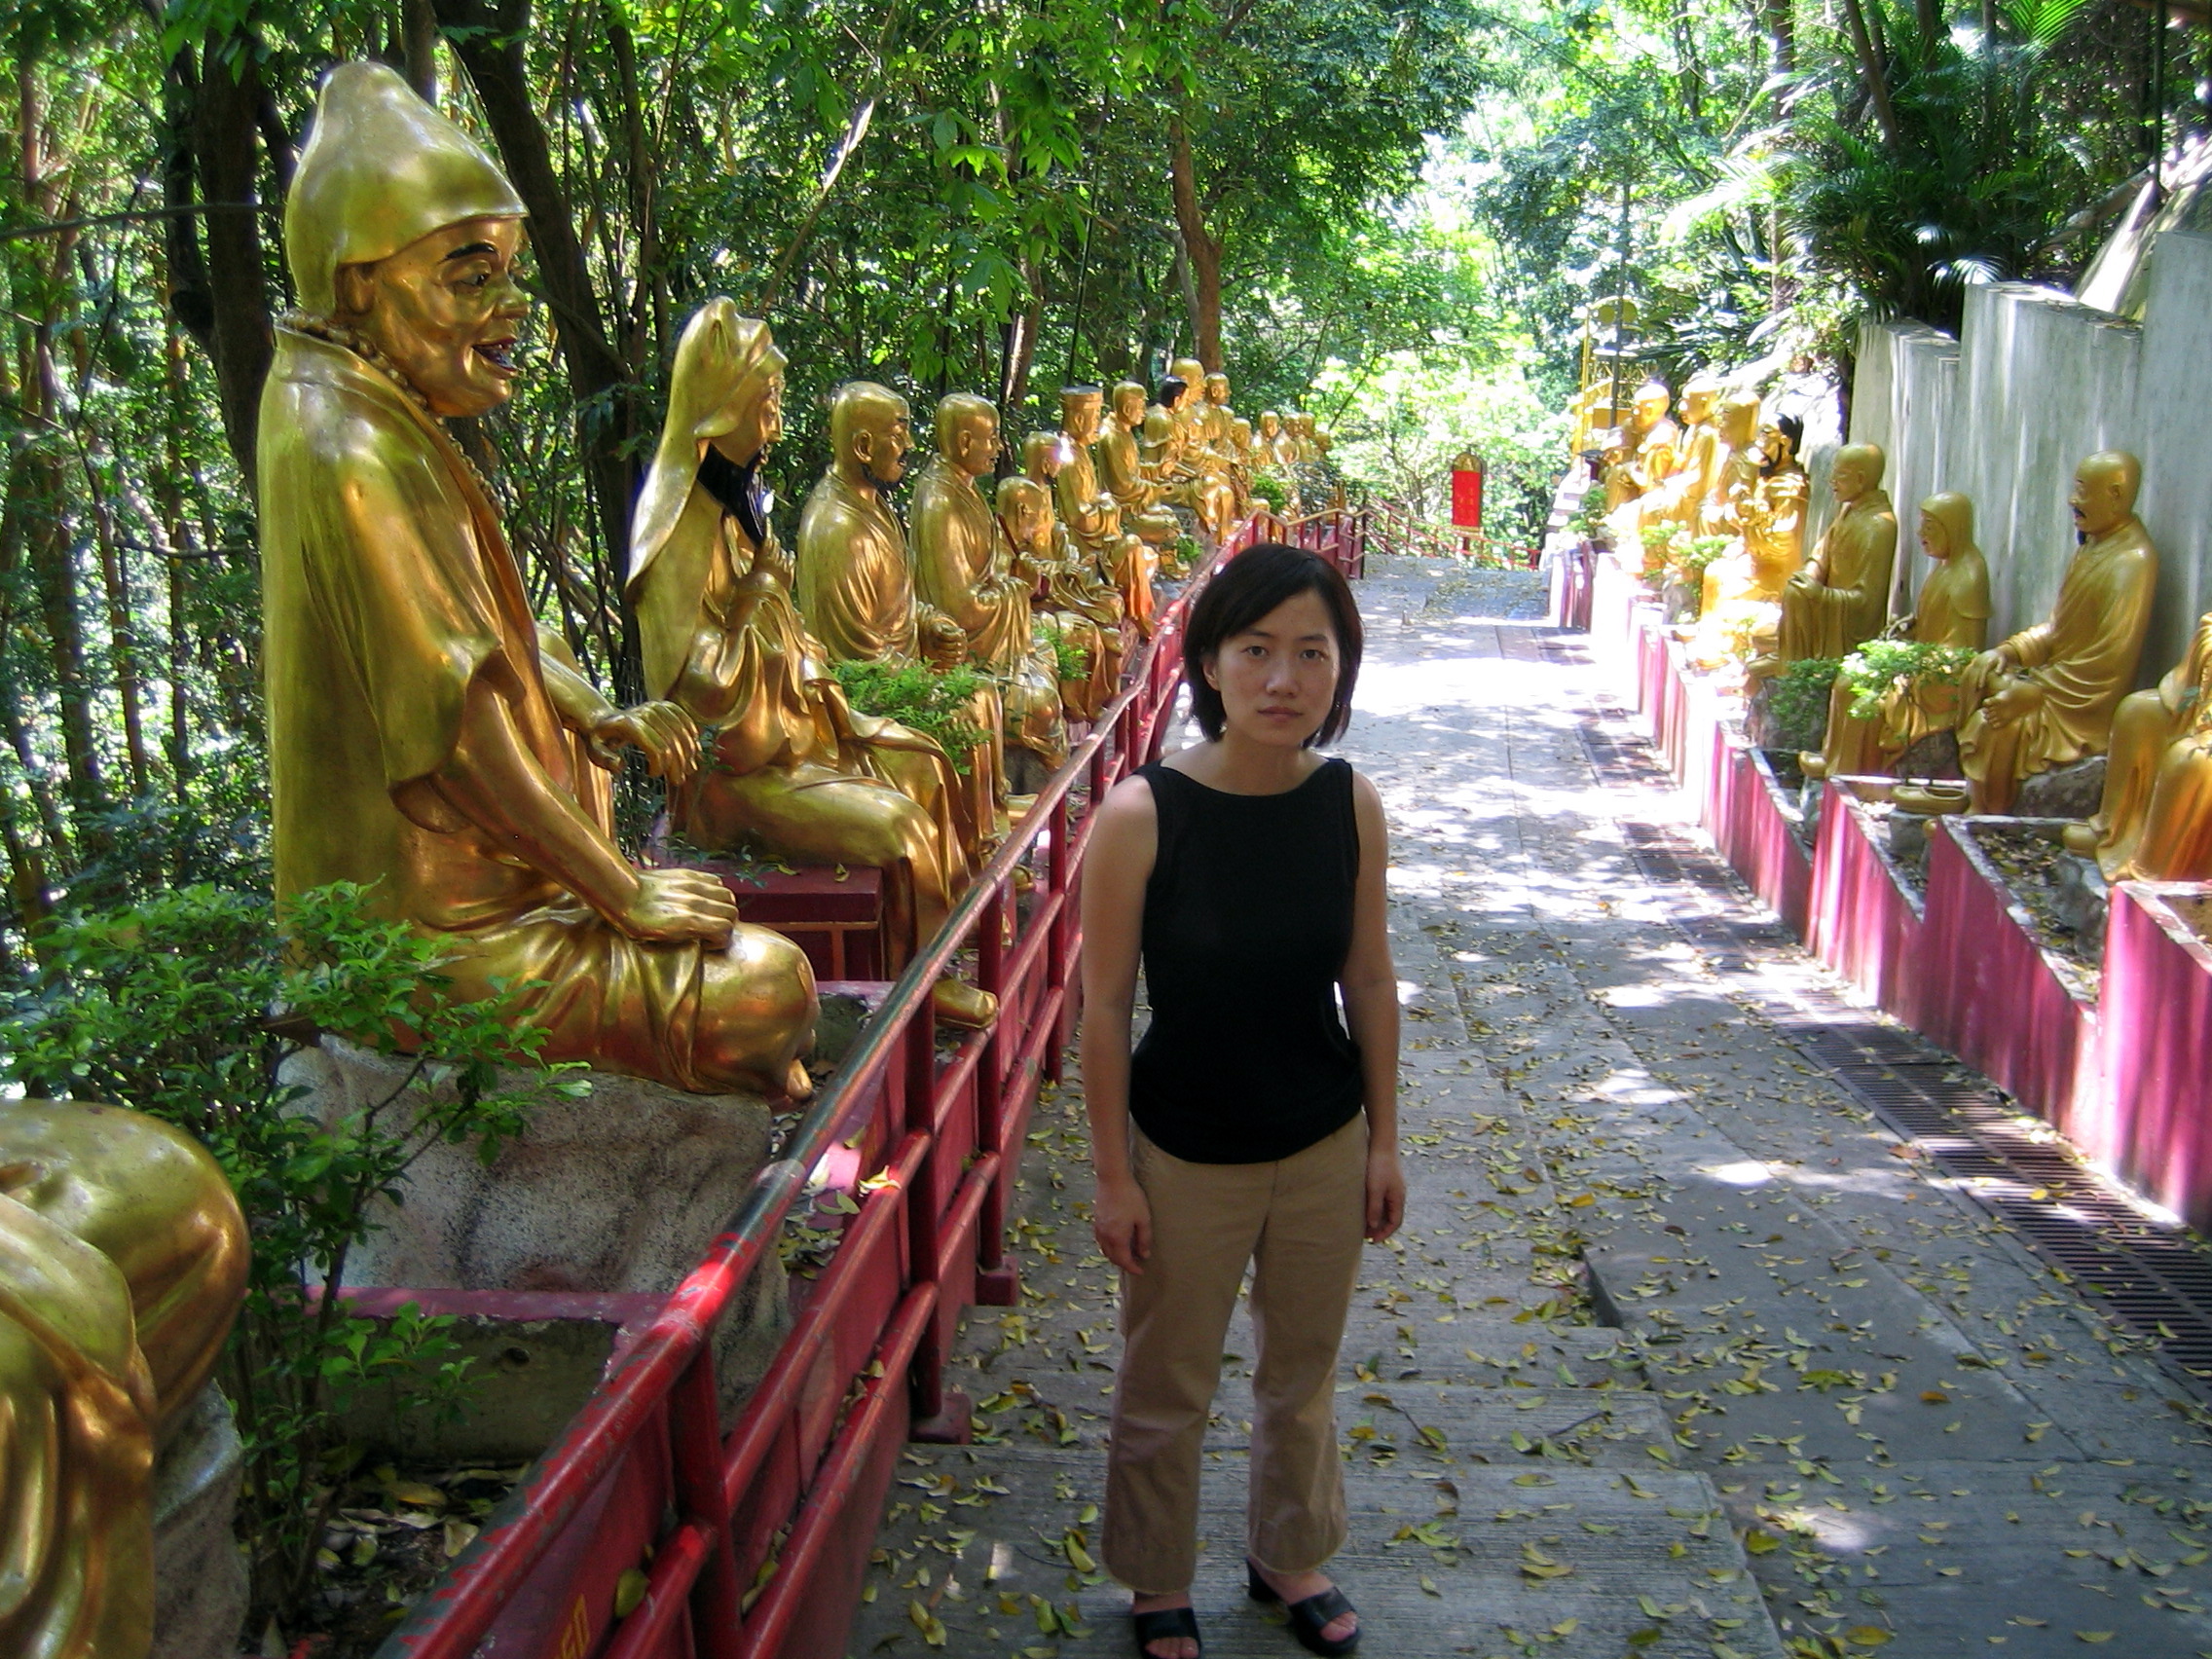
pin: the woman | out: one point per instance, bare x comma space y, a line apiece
1248, 1126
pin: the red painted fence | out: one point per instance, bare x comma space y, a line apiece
774, 1521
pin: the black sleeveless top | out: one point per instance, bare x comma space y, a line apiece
1247, 922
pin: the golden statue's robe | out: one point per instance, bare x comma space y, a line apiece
123, 1261
958, 573
2083, 659
1841, 598
2155, 823
854, 586
388, 589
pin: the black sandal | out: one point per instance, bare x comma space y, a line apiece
1311, 1618
1165, 1624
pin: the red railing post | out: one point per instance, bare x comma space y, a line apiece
927, 1372
695, 1436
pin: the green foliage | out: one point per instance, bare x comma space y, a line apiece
164, 1006
932, 702
1071, 662
1797, 701
1880, 664
1272, 490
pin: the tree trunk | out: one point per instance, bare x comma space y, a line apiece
1782, 35
1873, 73
225, 154
1200, 249
487, 36
418, 40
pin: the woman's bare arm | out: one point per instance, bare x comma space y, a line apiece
1369, 984
1116, 865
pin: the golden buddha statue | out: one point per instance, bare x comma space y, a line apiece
1842, 595
1090, 514
1023, 507
792, 768
1303, 446
1643, 454
418, 745
1697, 457
1189, 473
1738, 465
1076, 579
1123, 471
1218, 426
2046, 696
1953, 611
2155, 822
958, 573
123, 1263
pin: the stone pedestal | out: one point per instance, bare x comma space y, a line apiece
620, 1190
2064, 792
2081, 898
199, 1577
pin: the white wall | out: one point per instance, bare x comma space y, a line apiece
2035, 381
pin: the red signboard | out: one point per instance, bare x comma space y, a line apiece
1467, 496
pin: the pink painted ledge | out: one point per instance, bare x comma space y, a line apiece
2155, 1034
1866, 920
1995, 997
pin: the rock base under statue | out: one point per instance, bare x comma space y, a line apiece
620, 1190
1935, 756
199, 1577
2064, 792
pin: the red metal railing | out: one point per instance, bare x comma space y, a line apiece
773, 1523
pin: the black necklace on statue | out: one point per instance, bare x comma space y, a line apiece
740, 491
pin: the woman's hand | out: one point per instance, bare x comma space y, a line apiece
1120, 1220
1385, 1194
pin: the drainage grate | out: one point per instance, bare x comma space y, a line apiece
2148, 1279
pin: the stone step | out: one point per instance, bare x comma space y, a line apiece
1466, 1563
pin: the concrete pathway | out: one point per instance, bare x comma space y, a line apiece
1678, 1356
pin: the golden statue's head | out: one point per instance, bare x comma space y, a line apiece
1079, 409
871, 431
1043, 454
1192, 373
968, 432
1025, 507
1777, 443
727, 384
1651, 401
1240, 429
1857, 469
2104, 492
1271, 422
1128, 404
1323, 437
400, 227
1700, 392
1217, 388
1946, 525
1738, 419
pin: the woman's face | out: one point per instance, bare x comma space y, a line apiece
1279, 677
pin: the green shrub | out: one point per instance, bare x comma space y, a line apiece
1272, 490
1071, 662
933, 703
164, 1006
1880, 664
1799, 701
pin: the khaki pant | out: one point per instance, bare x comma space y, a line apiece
1300, 1222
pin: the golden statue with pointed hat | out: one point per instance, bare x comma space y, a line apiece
1090, 513
791, 768
421, 743
123, 1263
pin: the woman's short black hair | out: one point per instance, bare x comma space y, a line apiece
1247, 588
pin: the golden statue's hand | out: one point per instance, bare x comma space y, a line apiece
677, 907
668, 735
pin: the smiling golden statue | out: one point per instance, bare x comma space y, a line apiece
421, 738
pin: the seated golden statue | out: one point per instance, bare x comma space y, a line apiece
1737, 468
1303, 446
958, 573
2046, 696
855, 584
1842, 595
791, 767
1023, 507
1186, 474
1642, 453
1696, 460
2155, 822
1218, 425
1120, 458
123, 1261
1074, 579
1953, 611
418, 745
1092, 516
